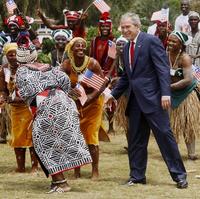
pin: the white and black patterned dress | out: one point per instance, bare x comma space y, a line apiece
57, 138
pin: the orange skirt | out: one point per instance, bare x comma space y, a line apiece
21, 131
90, 120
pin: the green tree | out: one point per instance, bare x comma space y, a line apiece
144, 8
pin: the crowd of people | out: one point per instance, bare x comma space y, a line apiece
150, 78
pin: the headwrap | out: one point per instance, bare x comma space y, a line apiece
70, 45
66, 33
193, 14
26, 51
185, 39
164, 23
23, 39
105, 19
15, 20
71, 56
121, 38
8, 47
18, 21
72, 15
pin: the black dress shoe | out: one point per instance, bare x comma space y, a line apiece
182, 184
133, 181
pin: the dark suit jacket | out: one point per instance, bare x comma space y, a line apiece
149, 78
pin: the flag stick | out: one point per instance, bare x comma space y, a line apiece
87, 8
38, 4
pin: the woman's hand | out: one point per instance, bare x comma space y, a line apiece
39, 13
74, 93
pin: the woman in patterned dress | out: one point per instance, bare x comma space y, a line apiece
57, 138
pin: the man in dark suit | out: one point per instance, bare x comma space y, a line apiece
147, 75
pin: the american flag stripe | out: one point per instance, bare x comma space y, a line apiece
101, 6
94, 83
11, 5
197, 76
112, 49
196, 73
93, 80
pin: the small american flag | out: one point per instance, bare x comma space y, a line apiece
101, 6
92, 80
161, 15
111, 49
11, 5
196, 73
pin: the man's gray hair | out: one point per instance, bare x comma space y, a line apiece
134, 18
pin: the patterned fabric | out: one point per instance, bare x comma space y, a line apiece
26, 54
56, 130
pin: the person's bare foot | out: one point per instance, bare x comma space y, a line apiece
34, 169
95, 176
65, 187
192, 157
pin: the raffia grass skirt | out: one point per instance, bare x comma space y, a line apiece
185, 119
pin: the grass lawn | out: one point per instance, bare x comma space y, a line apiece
113, 170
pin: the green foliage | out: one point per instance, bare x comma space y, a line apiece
144, 8
91, 33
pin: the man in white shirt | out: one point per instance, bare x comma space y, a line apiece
193, 49
181, 22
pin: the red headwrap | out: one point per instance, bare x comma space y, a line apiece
166, 24
17, 21
105, 19
14, 20
72, 15
168, 31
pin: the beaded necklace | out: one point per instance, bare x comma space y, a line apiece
81, 68
176, 60
60, 59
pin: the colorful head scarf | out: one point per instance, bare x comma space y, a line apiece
164, 23
26, 54
18, 21
185, 39
66, 33
71, 56
105, 19
72, 15
15, 20
8, 47
69, 46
